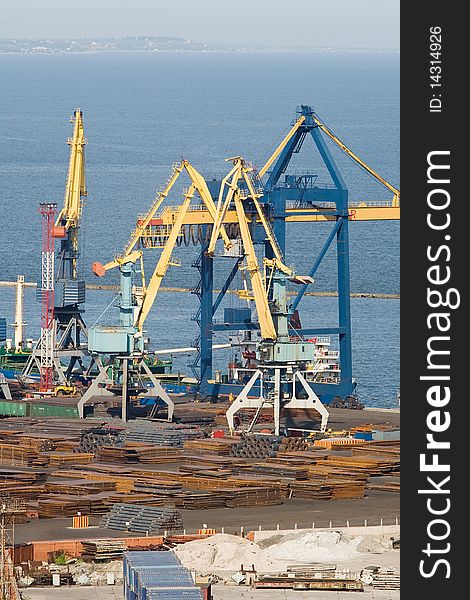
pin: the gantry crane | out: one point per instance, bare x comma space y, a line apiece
270, 204
69, 292
126, 342
300, 198
278, 378
69, 287
283, 198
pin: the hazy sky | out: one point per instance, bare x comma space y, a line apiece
344, 23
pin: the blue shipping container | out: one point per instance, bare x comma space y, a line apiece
3, 329
237, 315
157, 575
363, 435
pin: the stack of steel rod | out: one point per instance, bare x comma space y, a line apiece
142, 519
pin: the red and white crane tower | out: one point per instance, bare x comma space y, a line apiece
48, 211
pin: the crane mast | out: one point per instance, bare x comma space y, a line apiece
69, 329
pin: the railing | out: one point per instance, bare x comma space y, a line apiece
329, 354
153, 230
300, 204
293, 204
312, 184
273, 238
372, 204
372, 522
174, 208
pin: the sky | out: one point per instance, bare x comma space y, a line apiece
312, 23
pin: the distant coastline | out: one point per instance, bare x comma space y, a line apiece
157, 45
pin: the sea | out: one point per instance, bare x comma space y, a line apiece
145, 111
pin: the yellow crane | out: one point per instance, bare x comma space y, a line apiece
68, 220
126, 342
279, 371
231, 192
240, 172
69, 288
170, 235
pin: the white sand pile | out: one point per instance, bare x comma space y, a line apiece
321, 546
375, 544
223, 552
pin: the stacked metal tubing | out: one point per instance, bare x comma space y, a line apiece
265, 446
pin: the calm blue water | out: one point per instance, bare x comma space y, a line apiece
143, 112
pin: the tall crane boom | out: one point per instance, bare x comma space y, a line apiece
360, 162
281, 146
68, 220
199, 184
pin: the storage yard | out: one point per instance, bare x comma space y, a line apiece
41, 463
330, 501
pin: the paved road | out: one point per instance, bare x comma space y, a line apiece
111, 592
220, 592
236, 593
373, 507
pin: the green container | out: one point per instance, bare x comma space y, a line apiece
43, 409
9, 408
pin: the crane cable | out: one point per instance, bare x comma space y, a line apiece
356, 158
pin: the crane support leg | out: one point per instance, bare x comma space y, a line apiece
4, 387
274, 399
242, 400
312, 400
160, 390
206, 295
96, 388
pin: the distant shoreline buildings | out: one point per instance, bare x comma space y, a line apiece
151, 44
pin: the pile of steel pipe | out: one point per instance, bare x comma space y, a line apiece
93, 439
266, 446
